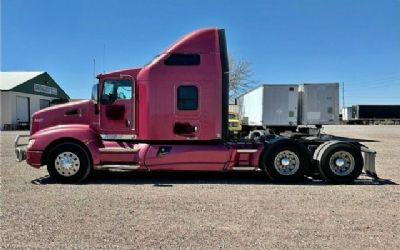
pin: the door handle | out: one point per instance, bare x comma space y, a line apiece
128, 123
184, 128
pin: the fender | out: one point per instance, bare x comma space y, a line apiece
82, 133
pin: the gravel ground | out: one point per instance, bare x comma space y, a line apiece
202, 210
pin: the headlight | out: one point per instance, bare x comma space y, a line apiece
30, 143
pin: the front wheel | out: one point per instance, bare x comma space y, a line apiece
68, 163
285, 163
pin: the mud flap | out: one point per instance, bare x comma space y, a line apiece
369, 162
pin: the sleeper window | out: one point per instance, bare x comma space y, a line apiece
183, 60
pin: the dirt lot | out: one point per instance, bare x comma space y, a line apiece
202, 210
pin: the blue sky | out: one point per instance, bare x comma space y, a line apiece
356, 42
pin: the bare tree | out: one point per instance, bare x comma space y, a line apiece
240, 76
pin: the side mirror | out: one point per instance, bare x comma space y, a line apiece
95, 93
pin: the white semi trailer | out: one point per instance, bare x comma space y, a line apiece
287, 106
318, 103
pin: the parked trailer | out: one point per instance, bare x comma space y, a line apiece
172, 114
269, 105
319, 103
365, 114
285, 107
346, 114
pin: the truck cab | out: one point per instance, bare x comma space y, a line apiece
171, 98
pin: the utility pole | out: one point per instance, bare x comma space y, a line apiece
343, 95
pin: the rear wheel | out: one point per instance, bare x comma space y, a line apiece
68, 163
340, 162
285, 163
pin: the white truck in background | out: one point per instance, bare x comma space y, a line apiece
319, 104
289, 107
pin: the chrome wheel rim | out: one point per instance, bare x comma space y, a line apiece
342, 163
286, 162
67, 164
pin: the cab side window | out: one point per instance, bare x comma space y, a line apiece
124, 90
117, 89
188, 97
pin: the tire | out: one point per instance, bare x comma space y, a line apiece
68, 163
322, 147
285, 162
340, 162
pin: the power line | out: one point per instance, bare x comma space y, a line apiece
373, 81
361, 77
372, 85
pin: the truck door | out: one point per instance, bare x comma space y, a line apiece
117, 109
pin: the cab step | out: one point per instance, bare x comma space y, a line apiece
119, 154
117, 167
244, 168
243, 159
118, 150
246, 151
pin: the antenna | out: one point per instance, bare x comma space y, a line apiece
94, 69
104, 58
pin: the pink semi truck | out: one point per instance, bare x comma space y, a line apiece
172, 114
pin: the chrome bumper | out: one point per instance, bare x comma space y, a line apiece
20, 148
369, 162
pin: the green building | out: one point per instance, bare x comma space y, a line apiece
22, 94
